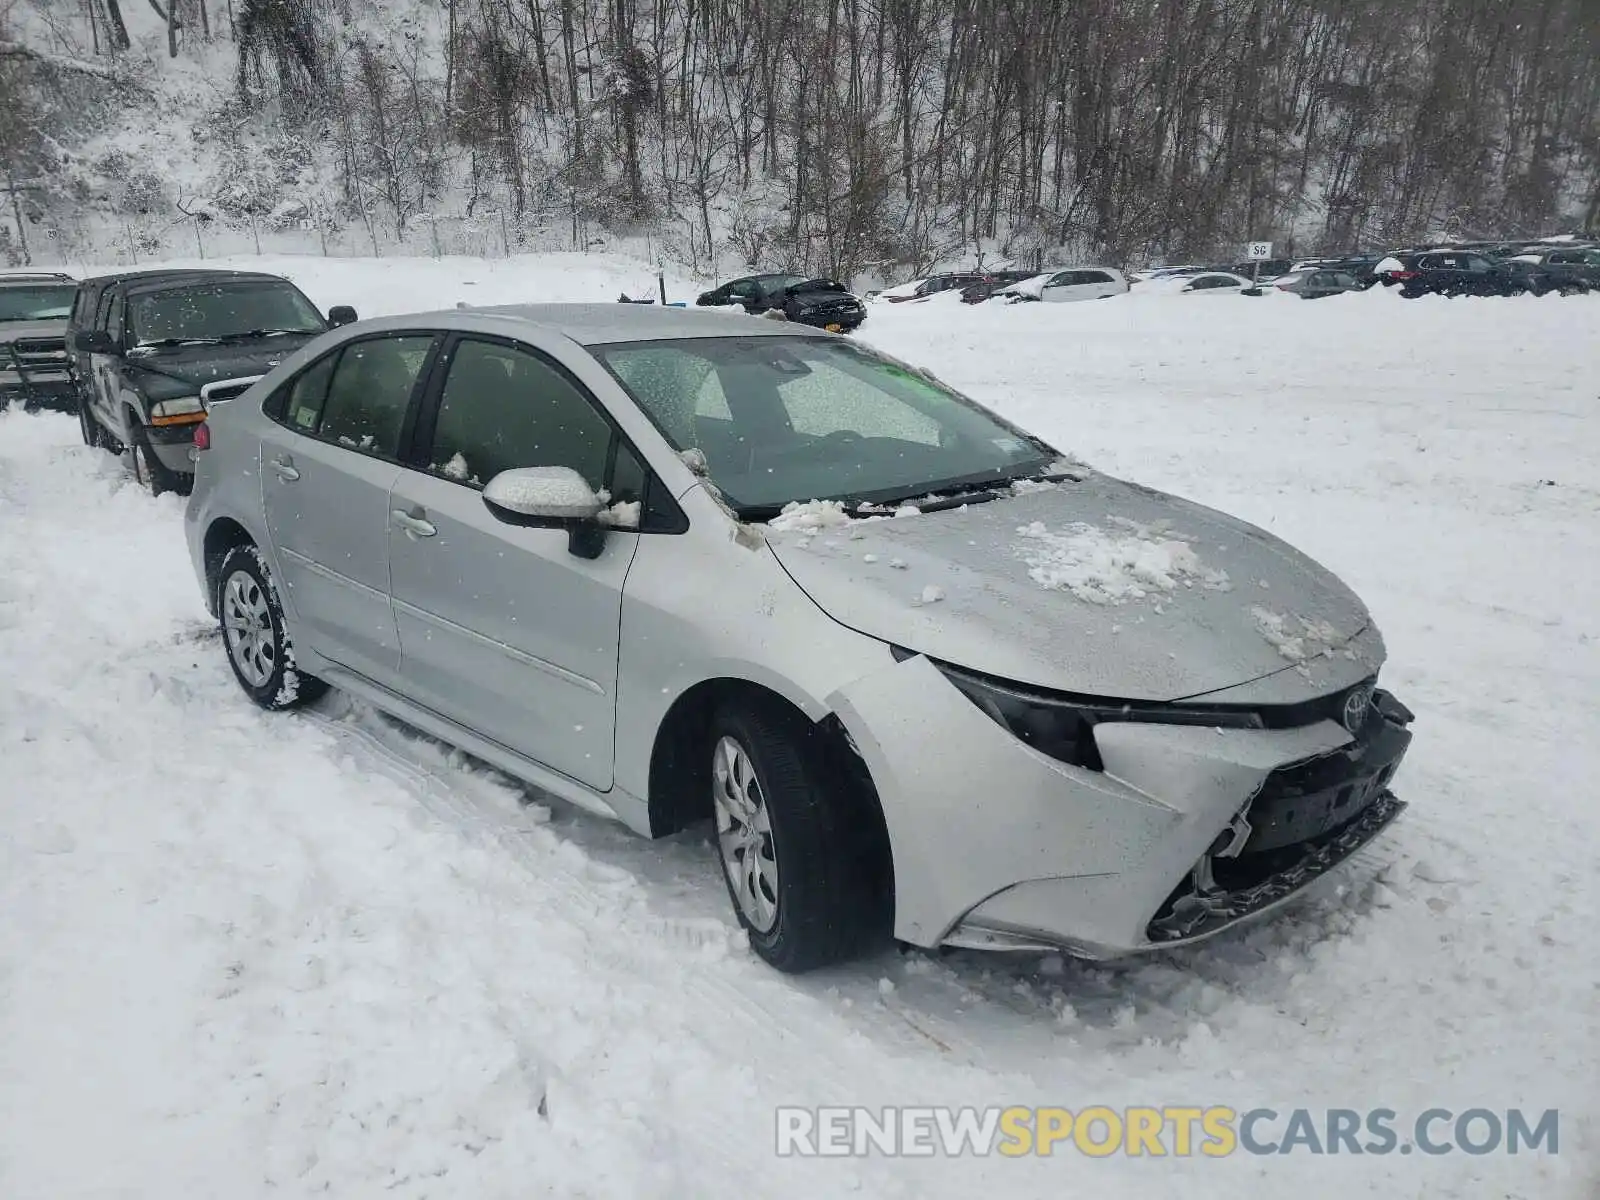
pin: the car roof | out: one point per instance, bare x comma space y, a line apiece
34, 277
604, 324
170, 274
145, 286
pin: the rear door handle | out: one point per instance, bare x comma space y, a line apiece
414, 526
285, 469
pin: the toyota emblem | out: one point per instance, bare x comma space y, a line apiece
1355, 708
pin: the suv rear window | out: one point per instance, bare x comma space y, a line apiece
37, 302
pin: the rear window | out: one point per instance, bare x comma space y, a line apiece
37, 302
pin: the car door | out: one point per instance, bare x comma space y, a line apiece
1063, 287
503, 629
1097, 285
328, 460
103, 387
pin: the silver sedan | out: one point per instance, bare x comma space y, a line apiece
925, 675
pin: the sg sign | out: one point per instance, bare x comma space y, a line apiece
1260, 249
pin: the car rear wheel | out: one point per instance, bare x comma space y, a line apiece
795, 849
253, 633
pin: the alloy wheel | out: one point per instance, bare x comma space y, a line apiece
247, 626
744, 834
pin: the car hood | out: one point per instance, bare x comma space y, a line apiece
200, 365
11, 331
1097, 587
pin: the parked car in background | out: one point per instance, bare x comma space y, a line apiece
153, 350
1317, 282
1201, 283
1074, 283
823, 303
563, 538
749, 292
34, 307
1458, 273
1264, 269
922, 289
990, 283
1571, 269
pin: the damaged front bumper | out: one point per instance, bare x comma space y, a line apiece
1186, 831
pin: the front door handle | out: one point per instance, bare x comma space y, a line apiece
414, 526
286, 470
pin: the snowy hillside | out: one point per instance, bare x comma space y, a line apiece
245, 955
844, 138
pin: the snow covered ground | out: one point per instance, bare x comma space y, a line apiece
246, 955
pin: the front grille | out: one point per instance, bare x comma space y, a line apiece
1304, 801
37, 356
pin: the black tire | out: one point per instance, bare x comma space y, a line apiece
150, 471
826, 838
270, 678
93, 433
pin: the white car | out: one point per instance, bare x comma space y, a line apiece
1075, 283
1206, 283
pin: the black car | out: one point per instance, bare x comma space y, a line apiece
1452, 272
992, 282
748, 292
1570, 268
151, 350
819, 302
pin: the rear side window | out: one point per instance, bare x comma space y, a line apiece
301, 407
369, 393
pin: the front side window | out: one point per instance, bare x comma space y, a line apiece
219, 312
37, 302
784, 418
503, 408
368, 394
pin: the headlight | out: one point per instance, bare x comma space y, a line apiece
1063, 726
185, 410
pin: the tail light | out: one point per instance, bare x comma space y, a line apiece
202, 436
1405, 274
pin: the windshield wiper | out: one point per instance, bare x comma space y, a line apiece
167, 343
961, 493
263, 333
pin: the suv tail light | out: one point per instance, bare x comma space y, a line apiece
202, 436
1405, 274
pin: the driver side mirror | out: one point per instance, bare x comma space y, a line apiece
342, 314
549, 498
94, 341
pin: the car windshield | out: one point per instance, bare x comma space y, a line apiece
37, 302
781, 419
217, 312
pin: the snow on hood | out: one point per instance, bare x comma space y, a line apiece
1098, 587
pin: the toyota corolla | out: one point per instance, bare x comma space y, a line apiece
923, 673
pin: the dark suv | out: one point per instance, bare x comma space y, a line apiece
1572, 269
150, 350
33, 354
1459, 273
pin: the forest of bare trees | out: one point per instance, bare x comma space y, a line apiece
838, 135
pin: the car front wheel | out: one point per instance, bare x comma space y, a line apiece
796, 851
253, 632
